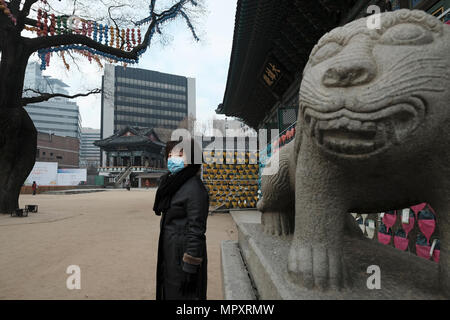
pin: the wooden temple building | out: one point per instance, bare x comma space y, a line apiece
135, 154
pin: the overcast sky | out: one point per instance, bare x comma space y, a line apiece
207, 61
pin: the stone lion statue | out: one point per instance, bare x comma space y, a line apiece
373, 134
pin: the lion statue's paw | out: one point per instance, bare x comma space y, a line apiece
316, 266
276, 223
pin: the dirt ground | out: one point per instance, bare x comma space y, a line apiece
112, 236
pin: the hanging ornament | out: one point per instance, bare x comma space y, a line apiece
58, 24
83, 28
64, 21
111, 42
139, 36
64, 61
45, 31
41, 55
117, 38
97, 59
33, 29
106, 34
47, 59
38, 22
100, 32
95, 31
128, 40
52, 24
133, 37
89, 29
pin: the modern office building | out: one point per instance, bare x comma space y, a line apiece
58, 116
89, 153
144, 98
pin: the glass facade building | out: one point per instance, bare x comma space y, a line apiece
89, 153
58, 116
144, 98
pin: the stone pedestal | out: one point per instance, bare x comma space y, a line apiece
264, 267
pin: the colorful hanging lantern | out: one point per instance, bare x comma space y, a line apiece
111, 30
52, 25
128, 40
45, 27
38, 22
139, 36
133, 37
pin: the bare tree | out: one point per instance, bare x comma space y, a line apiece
17, 132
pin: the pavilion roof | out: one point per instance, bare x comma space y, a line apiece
132, 137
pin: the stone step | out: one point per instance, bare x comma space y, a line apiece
236, 281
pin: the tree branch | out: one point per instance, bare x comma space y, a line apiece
27, 7
47, 96
14, 6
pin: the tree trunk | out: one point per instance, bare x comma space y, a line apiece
18, 135
18, 140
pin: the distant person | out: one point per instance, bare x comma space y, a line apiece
34, 188
128, 185
183, 202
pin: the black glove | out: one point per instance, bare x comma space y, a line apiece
189, 284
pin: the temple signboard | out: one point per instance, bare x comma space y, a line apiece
272, 73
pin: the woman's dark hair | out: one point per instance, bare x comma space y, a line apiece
195, 150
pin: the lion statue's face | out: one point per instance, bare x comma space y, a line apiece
366, 90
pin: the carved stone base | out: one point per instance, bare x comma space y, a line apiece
403, 276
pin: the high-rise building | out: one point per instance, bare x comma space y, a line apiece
89, 153
144, 98
58, 116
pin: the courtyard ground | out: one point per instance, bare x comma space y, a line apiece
112, 236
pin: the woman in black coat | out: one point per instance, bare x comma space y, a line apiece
183, 202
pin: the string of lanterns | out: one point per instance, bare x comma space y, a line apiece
45, 54
123, 39
98, 32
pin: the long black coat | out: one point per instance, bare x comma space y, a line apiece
182, 242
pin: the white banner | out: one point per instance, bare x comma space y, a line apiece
44, 173
71, 177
